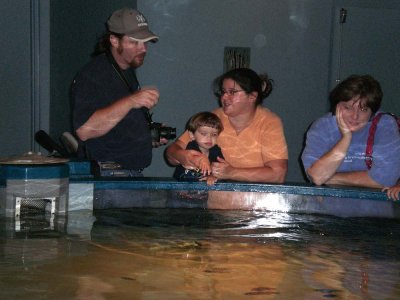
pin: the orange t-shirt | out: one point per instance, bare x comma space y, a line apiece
262, 141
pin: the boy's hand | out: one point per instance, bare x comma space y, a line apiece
204, 165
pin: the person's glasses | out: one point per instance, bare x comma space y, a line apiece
230, 92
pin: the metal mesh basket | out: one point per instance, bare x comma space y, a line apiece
34, 213
33, 206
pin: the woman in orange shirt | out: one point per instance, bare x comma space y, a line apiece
253, 141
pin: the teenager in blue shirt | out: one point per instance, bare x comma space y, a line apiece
335, 150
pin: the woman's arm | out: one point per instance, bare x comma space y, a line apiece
273, 171
177, 155
322, 170
325, 167
356, 178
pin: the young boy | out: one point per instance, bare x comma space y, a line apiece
203, 128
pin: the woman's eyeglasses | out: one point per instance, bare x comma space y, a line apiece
231, 92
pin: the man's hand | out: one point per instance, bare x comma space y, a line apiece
146, 97
162, 142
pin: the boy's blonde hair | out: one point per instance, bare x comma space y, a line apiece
204, 118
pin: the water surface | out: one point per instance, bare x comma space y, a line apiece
200, 254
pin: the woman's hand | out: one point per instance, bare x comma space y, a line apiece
191, 158
221, 168
177, 155
210, 179
392, 192
343, 127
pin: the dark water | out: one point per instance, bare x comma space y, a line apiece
200, 254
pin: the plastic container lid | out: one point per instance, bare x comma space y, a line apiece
31, 158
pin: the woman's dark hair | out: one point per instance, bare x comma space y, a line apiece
204, 118
103, 45
364, 87
248, 80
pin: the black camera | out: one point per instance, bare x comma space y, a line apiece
158, 131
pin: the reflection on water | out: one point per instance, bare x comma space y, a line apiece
200, 254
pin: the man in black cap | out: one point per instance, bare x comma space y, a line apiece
110, 113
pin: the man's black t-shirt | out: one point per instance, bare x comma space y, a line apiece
129, 142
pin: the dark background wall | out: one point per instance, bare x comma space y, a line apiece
299, 43
18, 90
296, 42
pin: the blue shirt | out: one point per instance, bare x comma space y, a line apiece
324, 134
